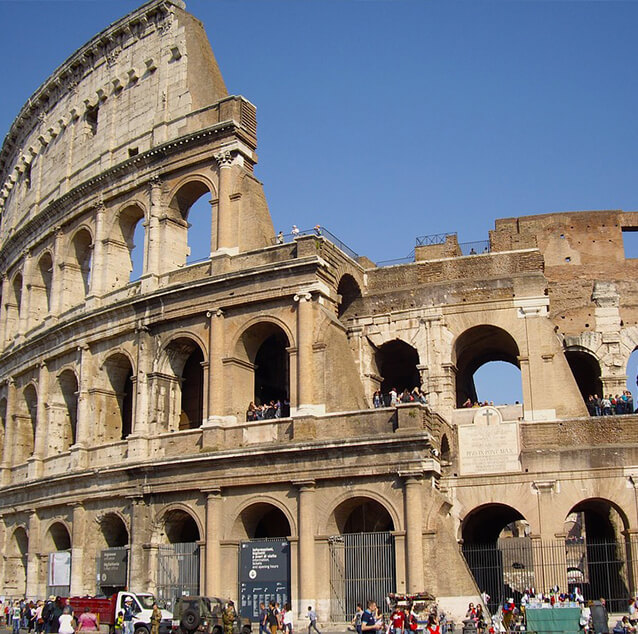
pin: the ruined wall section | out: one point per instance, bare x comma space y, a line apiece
129, 89
579, 249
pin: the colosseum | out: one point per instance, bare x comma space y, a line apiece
128, 456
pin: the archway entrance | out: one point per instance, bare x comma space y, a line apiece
598, 553
499, 552
397, 363
178, 560
15, 579
362, 556
58, 546
264, 558
113, 558
586, 371
476, 347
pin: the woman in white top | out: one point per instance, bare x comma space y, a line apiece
66, 624
287, 620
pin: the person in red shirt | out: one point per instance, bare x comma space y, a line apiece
396, 621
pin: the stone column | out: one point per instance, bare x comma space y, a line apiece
215, 366
225, 242
139, 573
23, 320
42, 423
4, 316
306, 555
79, 450
8, 448
139, 439
77, 550
413, 501
152, 237
213, 546
4, 546
33, 557
98, 266
305, 366
57, 283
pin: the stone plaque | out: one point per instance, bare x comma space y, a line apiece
488, 445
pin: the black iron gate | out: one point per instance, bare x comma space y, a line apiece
177, 571
362, 567
505, 569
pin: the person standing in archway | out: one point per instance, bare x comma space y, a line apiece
600, 617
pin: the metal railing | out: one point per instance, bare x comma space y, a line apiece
507, 568
433, 238
318, 231
474, 248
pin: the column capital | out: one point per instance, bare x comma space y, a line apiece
411, 477
155, 181
545, 486
305, 485
215, 312
302, 296
224, 158
212, 493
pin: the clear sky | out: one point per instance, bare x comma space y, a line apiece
384, 120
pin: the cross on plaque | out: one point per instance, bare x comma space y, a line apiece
487, 413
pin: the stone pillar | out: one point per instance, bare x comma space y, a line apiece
213, 546
77, 550
4, 547
215, 366
33, 557
99, 268
23, 320
139, 439
152, 557
305, 365
225, 242
57, 272
8, 448
42, 423
413, 501
152, 237
4, 329
306, 556
139, 573
79, 450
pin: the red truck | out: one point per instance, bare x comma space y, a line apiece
107, 608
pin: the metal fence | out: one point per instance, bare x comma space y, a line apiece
433, 238
177, 571
321, 231
362, 567
505, 569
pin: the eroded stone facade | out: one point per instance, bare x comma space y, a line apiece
123, 403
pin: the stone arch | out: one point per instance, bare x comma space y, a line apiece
585, 367
113, 530
57, 537
79, 265
349, 291
183, 200
16, 561
599, 551
178, 524
40, 293
26, 421
345, 504
116, 402
13, 305
124, 249
262, 518
475, 347
66, 417
261, 368
483, 524
396, 362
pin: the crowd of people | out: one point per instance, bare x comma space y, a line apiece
274, 619
52, 616
393, 397
402, 618
273, 409
610, 405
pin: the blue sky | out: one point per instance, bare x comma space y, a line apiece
384, 120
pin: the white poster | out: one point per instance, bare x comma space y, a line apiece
60, 569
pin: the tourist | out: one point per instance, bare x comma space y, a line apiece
369, 618
280, 237
263, 623
287, 619
397, 621
15, 617
88, 621
128, 615
271, 617
432, 626
65, 623
356, 620
377, 401
312, 620
294, 231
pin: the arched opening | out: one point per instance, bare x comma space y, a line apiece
474, 348
262, 521
40, 299
397, 363
586, 370
192, 391
83, 253
349, 291
498, 551
598, 552
118, 400
14, 306
112, 554
192, 240
26, 421
17, 292
365, 526
15, 569
57, 545
68, 383
498, 382
131, 226
446, 454
178, 564
264, 346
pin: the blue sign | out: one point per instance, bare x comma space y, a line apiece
264, 575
